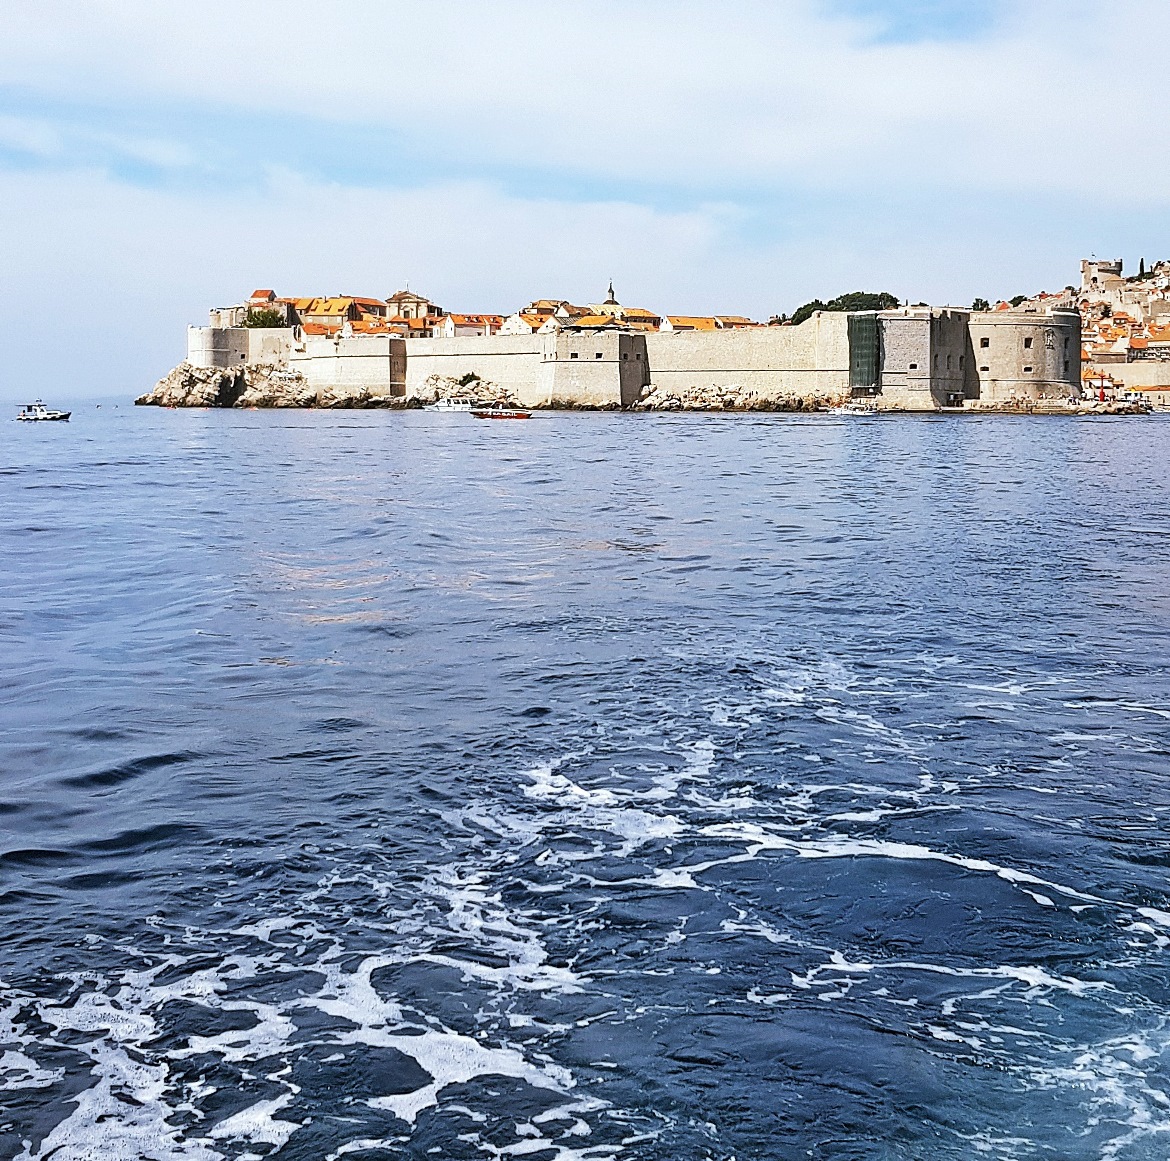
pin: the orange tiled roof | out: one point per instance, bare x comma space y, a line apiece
267, 295
595, 320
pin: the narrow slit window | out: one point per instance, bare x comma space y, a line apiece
1027, 344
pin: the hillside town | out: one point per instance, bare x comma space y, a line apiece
411, 315
1102, 346
1125, 322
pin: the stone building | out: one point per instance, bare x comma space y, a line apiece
1025, 355
916, 358
407, 304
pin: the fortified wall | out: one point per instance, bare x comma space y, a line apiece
1026, 355
809, 360
913, 358
605, 368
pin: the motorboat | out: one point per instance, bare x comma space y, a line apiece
449, 405
32, 412
854, 407
499, 411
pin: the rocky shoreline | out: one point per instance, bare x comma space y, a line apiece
258, 386
255, 386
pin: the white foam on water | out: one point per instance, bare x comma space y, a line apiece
104, 1127
258, 1124
20, 1072
1117, 1091
451, 1058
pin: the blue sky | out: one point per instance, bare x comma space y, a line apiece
159, 159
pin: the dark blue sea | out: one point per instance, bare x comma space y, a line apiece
638, 787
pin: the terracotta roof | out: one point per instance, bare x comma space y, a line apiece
268, 295
595, 320
692, 322
330, 306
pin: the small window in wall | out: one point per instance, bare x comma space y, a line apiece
984, 368
625, 355
1066, 366
913, 366
962, 360
638, 356
598, 355
948, 362
1027, 344
574, 355
1027, 370
985, 342
1066, 344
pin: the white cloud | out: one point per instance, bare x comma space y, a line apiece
707, 158
679, 92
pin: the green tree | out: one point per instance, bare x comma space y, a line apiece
264, 318
981, 304
1018, 299
864, 300
805, 312
854, 300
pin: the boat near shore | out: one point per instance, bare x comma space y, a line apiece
499, 411
854, 408
37, 412
448, 406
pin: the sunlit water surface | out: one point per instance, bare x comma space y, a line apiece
653, 788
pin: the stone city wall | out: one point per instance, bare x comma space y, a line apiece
773, 362
373, 365
223, 348
925, 358
512, 362
1026, 355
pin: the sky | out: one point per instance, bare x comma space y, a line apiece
159, 159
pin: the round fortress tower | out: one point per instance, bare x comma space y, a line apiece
1026, 354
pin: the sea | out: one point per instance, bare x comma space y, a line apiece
659, 787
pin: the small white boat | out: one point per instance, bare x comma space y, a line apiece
447, 405
37, 411
855, 407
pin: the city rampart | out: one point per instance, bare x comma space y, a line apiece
1026, 355
603, 368
364, 364
510, 361
925, 358
222, 348
807, 360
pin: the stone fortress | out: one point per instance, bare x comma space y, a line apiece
554, 355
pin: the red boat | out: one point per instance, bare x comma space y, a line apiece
499, 411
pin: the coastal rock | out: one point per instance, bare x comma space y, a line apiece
255, 385
728, 398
